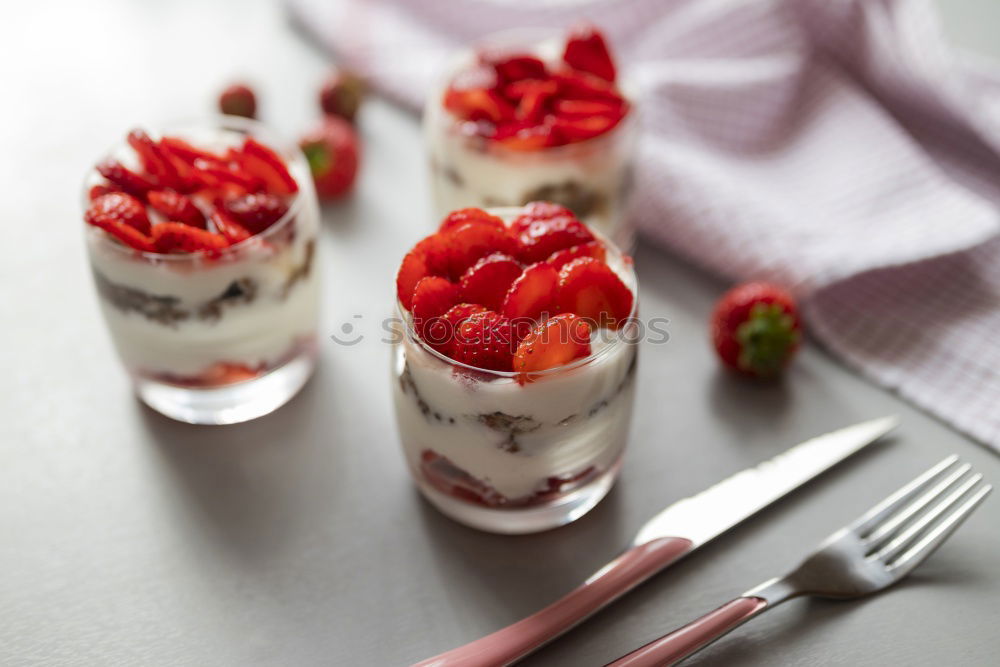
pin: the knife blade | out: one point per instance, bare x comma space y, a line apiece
670, 535
733, 500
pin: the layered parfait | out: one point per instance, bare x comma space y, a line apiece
524, 119
515, 366
202, 245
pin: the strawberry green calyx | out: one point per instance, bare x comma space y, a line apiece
767, 340
318, 157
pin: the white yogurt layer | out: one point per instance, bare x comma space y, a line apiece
562, 423
273, 310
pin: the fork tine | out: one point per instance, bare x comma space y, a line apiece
905, 539
887, 507
919, 552
887, 529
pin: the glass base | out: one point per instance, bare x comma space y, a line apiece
230, 404
518, 521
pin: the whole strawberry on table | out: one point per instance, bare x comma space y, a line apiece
756, 329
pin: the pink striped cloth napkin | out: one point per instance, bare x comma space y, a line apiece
836, 146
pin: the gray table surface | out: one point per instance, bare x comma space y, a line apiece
126, 538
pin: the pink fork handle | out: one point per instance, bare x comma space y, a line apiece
613, 580
697, 634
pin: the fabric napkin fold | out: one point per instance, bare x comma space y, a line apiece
839, 147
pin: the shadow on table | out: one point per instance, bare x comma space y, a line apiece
520, 574
242, 486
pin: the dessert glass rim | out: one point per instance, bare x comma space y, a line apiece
507, 213
226, 122
532, 39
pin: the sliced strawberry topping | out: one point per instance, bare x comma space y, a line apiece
581, 85
441, 331
587, 51
584, 108
532, 294
186, 152
175, 206
155, 160
411, 271
256, 212
486, 282
127, 234
485, 340
216, 174
119, 207
555, 342
514, 67
541, 238
100, 189
135, 184
473, 240
478, 104
180, 237
536, 210
456, 219
593, 249
584, 127
526, 136
260, 161
593, 291
432, 297
227, 226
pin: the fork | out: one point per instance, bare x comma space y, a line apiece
866, 556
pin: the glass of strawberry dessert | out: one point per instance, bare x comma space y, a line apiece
514, 366
202, 245
526, 117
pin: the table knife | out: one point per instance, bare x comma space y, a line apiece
673, 533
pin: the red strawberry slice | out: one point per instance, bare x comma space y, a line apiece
584, 108
485, 340
260, 161
532, 294
227, 226
526, 136
135, 184
541, 238
487, 281
155, 160
514, 67
536, 210
100, 189
441, 331
215, 174
120, 207
478, 104
555, 342
456, 219
432, 297
593, 249
181, 237
468, 242
127, 234
585, 127
186, 152
587, 51
577, 84
411, 271
175, 206
256, 212
593, 291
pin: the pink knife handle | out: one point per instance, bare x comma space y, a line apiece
697, 634
521, 638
